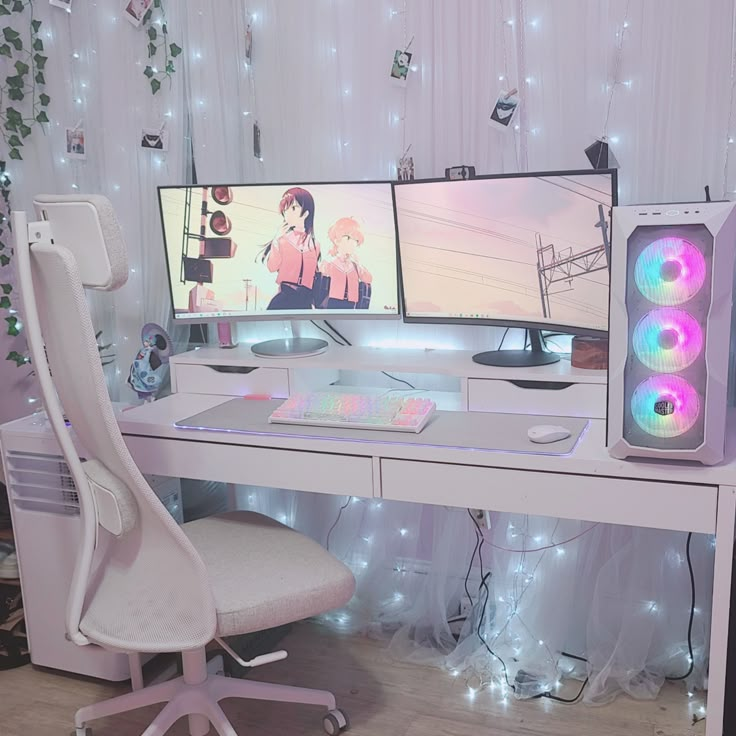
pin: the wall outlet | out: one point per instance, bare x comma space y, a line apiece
482, 517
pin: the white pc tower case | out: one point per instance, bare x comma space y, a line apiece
45, 513
672, 269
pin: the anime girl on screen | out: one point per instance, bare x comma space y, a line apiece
344, 270
294, 253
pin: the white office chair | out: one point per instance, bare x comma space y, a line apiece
141, 583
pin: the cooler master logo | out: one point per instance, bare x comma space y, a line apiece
664, 408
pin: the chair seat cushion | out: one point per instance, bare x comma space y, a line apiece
264, 574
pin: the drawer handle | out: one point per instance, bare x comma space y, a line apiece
543, 385
232, 368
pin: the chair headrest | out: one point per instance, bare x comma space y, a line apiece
87, 226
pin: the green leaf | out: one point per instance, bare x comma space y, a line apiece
21, 68
25, 131
147, 17
15, 94
14, 154
40, 60
42, 117
4, 10
4, 302
11, 125
35, 24
174, 49
13, 328
170, 67
164, 29
12, 114
38, 45
155, 86
17, 358
44, 99
18, 6
5, 49
10, 33
14, 81
152, 34
40, 79
4, 260
151, 50
7, 288
148, 71
156, 3
16, 43
14, 141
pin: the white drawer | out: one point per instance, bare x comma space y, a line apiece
655, 504
217, 380
317, 472
566, 400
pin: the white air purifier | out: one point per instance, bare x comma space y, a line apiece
45, 513
672, 270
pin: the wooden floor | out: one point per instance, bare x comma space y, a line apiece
382, 697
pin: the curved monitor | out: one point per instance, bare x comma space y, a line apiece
527, 250
280, 251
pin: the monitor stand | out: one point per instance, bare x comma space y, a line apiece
291, 346
519, 358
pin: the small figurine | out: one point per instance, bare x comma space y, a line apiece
148, 371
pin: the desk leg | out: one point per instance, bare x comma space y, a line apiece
725, 524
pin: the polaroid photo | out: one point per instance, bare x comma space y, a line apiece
75, 143
400, 67
460, 173
155, 139
406, 168
66, 4
249, 44
135, 10
504, 111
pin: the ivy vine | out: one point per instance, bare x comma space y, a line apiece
28, 81
23, 107
158, 41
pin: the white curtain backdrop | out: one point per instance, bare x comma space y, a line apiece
655, 76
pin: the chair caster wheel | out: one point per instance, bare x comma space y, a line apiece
335, 722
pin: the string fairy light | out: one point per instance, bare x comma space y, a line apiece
729, 134
520, 32
401, 118
251, 19
620, 35
505, 60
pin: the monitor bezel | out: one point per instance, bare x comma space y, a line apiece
521, 324
282, 315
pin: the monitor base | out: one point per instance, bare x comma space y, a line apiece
520, 358
515, 358
290, 347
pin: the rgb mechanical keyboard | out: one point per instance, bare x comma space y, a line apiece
357, 411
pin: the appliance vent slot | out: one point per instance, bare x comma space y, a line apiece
42, 483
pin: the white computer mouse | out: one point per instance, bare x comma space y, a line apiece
545, 433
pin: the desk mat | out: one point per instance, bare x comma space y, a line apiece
480, 431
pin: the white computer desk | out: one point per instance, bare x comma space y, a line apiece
587, 484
